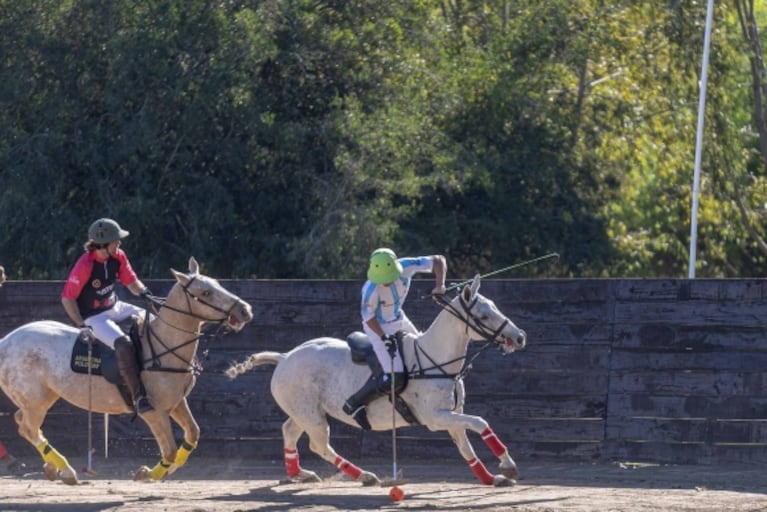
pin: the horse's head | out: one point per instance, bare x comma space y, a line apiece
486, 320
208, 301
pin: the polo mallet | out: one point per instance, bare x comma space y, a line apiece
505, 269
393, 425
395, 479
106, 435
88, 470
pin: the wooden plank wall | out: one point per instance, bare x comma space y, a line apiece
642, 370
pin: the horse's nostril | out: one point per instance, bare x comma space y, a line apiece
245, 311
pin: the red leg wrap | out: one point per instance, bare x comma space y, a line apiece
347, 467
492, 441
291, 463
481, 471
3, 451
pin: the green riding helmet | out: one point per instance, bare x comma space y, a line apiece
104, 231
384, 267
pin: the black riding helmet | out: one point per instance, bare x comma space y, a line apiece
104, 231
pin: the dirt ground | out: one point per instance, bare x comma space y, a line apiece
238, 486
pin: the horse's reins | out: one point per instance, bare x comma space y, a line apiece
150, 333
472, 322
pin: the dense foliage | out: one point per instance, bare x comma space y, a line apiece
289, 138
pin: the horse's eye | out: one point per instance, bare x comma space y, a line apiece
206, 293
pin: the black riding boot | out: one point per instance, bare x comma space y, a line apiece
129, 371
400, 381
355, 405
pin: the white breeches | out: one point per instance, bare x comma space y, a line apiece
105, 326
403, 324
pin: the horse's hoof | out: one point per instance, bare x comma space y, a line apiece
368, 479
512, 473
308, 477
69, 477
50, 471
502, 481
303, 477
142, 475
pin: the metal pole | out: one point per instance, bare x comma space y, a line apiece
699, 139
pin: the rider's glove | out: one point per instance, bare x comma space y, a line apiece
390, 342
86, 333
145, 293
439, 290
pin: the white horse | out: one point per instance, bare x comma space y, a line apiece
35, 372
314, 379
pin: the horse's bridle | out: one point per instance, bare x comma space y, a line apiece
192, 366
471, 321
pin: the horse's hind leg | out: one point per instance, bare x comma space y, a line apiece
290, 434
319, 443
55, 464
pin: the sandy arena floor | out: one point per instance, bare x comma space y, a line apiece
237, 486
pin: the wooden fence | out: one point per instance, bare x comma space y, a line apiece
638, 370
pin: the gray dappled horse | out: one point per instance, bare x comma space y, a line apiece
35, 372
314, 379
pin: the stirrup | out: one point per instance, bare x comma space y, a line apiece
359, 414
350, 409
142, 405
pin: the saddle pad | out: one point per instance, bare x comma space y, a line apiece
79, 361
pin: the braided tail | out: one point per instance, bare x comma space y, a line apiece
254, 360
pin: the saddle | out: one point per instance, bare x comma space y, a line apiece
103, 359
363, 353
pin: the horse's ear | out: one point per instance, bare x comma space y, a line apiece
475, 285
181, 277
194, 267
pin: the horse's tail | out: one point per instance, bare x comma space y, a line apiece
254, 360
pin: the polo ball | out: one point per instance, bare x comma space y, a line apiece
396, 494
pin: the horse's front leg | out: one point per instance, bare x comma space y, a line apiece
508, 467
183, 416
457, 424
159, 423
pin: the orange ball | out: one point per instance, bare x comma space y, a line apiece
396, 494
